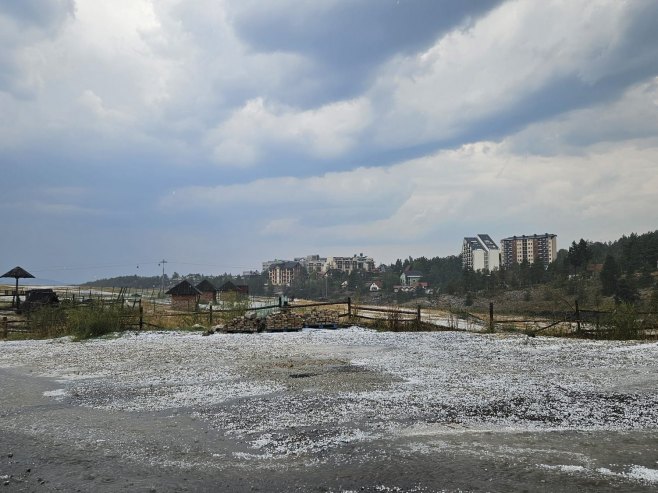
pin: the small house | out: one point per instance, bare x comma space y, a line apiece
184, 296
375, 286
410, 277
208, 291
229, 287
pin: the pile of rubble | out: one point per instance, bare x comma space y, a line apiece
280, 322
321, 318
249, 324
283, 321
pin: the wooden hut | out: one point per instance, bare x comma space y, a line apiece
228, 287
184, 296
208, 291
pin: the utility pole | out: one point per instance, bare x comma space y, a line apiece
162, 262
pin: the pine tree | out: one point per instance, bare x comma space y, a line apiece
610, 276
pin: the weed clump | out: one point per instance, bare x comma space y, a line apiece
85, 322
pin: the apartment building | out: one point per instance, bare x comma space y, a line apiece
537, 247
312, 263
283, 272
348, 264
480, 253
280, 270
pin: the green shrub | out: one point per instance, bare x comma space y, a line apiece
84, 322
623, 323
47, 322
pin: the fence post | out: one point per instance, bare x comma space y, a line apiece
141, 315
577, 318
210, 316
5, 328
349, 308
418, 313
491, 316
280, 302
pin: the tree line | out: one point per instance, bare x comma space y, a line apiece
619, 269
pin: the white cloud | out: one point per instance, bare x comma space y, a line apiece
633, 116
281, 226
480, 186
323, 133
92, 102
143, 86
516, 51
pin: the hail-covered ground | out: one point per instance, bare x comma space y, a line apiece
355, 408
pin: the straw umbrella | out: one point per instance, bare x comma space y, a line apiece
17, 273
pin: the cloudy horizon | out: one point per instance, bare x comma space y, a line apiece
220, 134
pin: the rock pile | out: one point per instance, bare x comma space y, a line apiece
249, 323
321, 318
285, 320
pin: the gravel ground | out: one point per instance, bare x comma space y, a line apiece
321, 410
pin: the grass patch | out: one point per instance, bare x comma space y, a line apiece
85, 322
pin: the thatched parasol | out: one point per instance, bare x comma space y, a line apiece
17, 273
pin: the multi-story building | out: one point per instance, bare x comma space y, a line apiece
480, 253
268, 263
312, 263
348, 264
516, 249
283, 272
315, 263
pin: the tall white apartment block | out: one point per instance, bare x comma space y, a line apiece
480, 253
516, 249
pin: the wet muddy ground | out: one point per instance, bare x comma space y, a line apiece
347, 410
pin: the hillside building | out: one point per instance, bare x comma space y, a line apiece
284, 272
480, 253
312, 263
410, 277
516, 249
281, 272
348, 264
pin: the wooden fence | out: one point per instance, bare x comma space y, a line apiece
576, 321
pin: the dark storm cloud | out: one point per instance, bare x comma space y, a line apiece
632, 61
348, 40
42, 14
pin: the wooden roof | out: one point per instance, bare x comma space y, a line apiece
18, 272
228, 286
206, 286
184, 288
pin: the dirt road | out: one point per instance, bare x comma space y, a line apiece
348, 410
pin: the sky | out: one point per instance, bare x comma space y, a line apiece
217, 134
